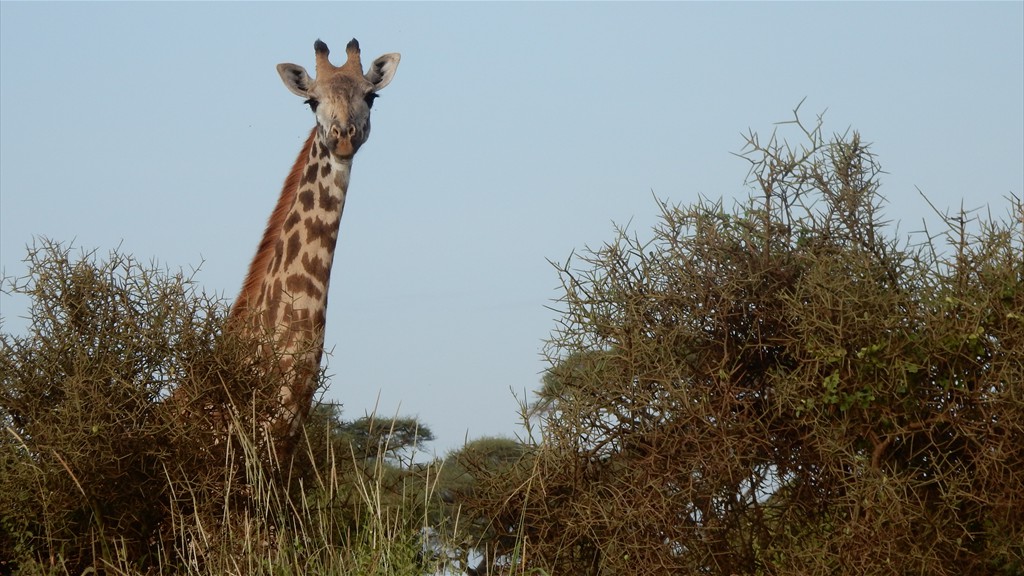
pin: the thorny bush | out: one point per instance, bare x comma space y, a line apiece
132, 442
784, 388
96, 451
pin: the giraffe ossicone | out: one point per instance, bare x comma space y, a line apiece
284, 296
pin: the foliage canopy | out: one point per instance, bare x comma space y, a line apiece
781, 388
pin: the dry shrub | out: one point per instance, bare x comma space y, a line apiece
780, 389
133, 442
95, 454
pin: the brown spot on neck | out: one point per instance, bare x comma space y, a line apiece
328, 203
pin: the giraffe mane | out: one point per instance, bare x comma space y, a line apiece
260, 263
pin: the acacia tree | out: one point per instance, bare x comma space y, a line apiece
780, 388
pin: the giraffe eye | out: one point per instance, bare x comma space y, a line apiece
313, 102
369, 98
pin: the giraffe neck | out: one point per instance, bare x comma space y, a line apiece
284, 296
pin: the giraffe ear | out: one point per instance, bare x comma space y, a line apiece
295, 78
383, 70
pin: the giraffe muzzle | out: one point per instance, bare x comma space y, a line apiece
341, 139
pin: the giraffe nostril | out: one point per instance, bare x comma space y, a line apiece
335, 135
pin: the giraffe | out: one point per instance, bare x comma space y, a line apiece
283, 299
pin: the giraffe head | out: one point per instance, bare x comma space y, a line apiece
340, 96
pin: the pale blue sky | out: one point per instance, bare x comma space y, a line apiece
511, 134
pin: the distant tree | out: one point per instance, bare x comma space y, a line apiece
478, 460
371, 452
783, 388
480, 464
371, 437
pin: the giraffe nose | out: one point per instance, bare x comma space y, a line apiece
338, 133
